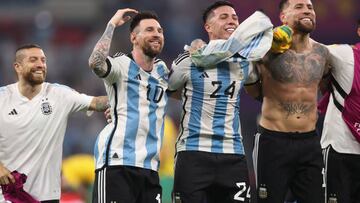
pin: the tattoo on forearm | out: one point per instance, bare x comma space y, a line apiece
101, 103
97, 59
296, 108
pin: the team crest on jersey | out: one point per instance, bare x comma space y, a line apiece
263, 193
46, 108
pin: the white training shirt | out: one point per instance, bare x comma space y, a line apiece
138, 99
335, 131
32, 133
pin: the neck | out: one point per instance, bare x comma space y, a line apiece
300, 42
28, 90
144, 61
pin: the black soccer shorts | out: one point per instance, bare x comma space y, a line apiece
288, 161
126, 184
211, 178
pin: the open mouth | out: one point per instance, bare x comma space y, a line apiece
306, 20
230, 30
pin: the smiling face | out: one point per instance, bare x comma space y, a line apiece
30, 65
148, 36
221, 23
299, 15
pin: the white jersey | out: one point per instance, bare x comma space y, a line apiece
211, 96
335, 131
138, 99
32, 133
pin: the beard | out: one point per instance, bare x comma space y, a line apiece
304, 28
35, 80
150, 51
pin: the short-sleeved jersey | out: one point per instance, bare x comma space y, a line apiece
335, 132
138, 100
210, 98
32, 133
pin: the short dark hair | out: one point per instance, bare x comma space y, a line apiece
283, 4
358, 23
19, 57
27, 46
141, 16
214, 6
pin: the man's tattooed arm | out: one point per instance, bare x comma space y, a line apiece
97, 60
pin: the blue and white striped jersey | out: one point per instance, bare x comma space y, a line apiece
211, 96
138, 100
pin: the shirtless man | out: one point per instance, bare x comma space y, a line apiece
287, 152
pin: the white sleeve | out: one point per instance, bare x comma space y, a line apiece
177, 77
76, 101
252, 40
115, 68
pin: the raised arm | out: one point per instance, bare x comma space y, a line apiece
97, 60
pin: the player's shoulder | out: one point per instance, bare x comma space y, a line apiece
7, 90
120, 56
58, 88
183, 59
160, 63
339, 48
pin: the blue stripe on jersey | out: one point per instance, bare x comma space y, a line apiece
253, 44
106, 152
154, 94
223, 76
238, 146
132, 121
96, 148
161, 71
196, 108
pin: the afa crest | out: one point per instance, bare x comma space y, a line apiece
46, 108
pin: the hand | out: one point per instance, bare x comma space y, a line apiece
107, 114
120, 18
195, 45
5, 176
282, 39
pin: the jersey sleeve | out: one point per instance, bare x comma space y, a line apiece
178, 76
116, 66
251, 40
75, 100
339, 53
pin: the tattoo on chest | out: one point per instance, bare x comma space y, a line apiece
297, 108
292, 67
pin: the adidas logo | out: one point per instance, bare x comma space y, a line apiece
13, 112
204, 75
115, 156
138, 77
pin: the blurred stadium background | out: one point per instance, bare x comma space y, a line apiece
68, 29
